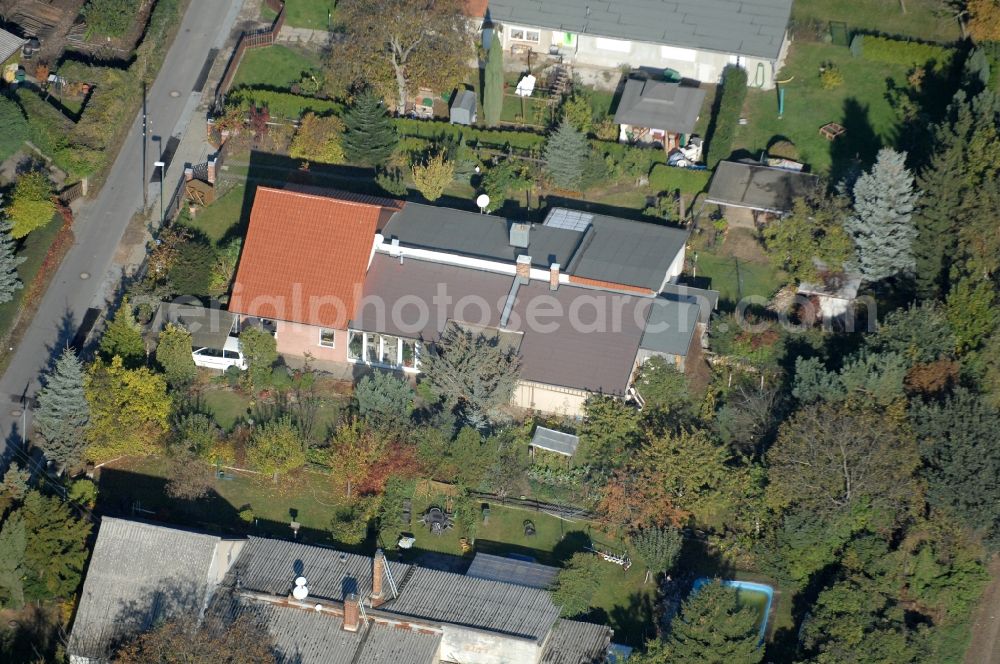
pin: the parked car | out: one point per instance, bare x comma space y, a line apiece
220, 358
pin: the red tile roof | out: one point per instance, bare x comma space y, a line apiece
305, 255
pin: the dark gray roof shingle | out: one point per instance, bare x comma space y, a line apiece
747, 27
462, 600
139, 573
660, 105
512, 570
670, 327
758, 187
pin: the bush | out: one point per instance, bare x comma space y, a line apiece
782, 148
684, 180
318, 139
32, 205
110, 18
283, 105
831, 77
728, 106
900, 52
391, 181
13, 128
444, 131
432, 177
191, 273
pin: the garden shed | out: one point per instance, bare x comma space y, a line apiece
463, 108
554, 441
657, 112
9, 45
752, 193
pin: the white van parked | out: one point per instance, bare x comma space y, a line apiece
214, 358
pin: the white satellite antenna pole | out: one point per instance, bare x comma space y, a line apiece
483, 201
300, 591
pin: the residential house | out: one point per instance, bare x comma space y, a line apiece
695, 38
371, 282
658, 112
319, 605
751, 193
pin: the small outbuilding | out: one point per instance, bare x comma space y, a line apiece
752, 193
657, 112
835, 296
551, 440
513, 570
10, 44
463, 108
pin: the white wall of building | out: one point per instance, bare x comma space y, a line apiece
471, 646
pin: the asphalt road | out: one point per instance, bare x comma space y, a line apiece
83, 279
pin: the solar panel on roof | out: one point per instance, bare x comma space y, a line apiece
570, 220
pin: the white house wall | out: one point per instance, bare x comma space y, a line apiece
705, 66
471, 646
549, 399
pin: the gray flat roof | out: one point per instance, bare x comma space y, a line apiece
555, 441
746, 27
622, 251
670, 327
209, 327
139, 573
758, 187
707, 300
477, 235
660, 105
510, 570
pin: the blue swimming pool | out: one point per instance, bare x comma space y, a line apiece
756, 594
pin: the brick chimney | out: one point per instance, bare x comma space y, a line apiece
352, 613
523, 269
211, 171
554, 276
378, 574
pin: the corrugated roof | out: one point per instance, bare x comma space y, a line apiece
660, 105
758, 187
463, 600
138, 574
271, 566
511, 570
622, 251
573, 642
746, 27
305, 255
302, 636
555, 441
592, 343
9, 45
670, 326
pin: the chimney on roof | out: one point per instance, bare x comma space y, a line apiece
211, 171
352, 613
378, 573
523, 269
554, 276
188, 174
519, 235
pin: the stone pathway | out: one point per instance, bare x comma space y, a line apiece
303, 36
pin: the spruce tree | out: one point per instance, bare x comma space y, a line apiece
566, 155
370, 136
493, 83
63, 411
881, 225
9, 279
123, 338
713, 628
13, 540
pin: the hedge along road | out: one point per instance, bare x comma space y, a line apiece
81, 280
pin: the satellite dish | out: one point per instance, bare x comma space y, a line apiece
300, 592
483, 201
300, 581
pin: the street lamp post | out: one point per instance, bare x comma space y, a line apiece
162, 166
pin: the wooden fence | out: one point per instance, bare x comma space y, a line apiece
248, 40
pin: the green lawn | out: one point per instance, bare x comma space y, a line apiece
221, 218
527, 110
735, 278
276, 66
229, 407
125, 482
225, 406
859, 105
923, 19
33, 250
312, 14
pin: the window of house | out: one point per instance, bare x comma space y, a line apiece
355, 345
327, 338
409, 353
372, 347
390, 351
523, 34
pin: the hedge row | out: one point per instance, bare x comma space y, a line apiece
685, 180
899, 52
727, 114
285, 105
439, 130
50, 131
